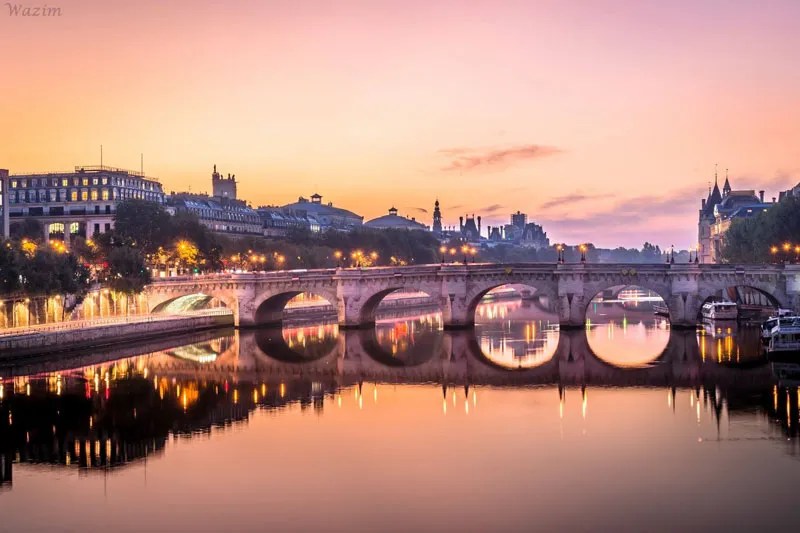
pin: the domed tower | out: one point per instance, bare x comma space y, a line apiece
437, 218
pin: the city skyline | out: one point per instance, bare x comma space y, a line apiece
558, 115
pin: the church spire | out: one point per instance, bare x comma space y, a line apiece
726, 189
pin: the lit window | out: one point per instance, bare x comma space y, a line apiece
64, 182
84, 195
104, 195
85, 181
94, 194
73, 195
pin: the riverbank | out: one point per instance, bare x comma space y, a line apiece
68, 340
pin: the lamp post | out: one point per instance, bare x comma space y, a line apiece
338, 255
442, 252
583, 253
560, 250
671, 253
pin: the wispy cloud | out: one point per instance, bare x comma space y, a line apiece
491, 208
571, 199
418, 209
472, 158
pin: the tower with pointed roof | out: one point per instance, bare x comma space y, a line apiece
437, 218
726, 189
706, 219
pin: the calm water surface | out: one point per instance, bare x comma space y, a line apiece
513, 427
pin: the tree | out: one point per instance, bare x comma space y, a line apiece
10, 269
27, 228
142, 224
127, 272
750, 240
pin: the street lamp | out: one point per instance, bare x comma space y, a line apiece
442, 252
472, 252
338, 255
583, 253
671, 253
465, 251
560, 250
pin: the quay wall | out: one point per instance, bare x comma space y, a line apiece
50, 342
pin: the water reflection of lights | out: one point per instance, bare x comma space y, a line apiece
629, 343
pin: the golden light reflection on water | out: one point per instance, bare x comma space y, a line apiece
627, 343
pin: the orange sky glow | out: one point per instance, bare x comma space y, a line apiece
602, 121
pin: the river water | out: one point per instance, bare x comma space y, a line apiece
624, 425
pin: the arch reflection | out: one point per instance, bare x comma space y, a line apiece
298, 343
623, 329
513, 332
410, 341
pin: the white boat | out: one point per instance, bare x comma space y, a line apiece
784, 338
720, 311
783, 317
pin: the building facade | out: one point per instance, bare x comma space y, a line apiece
717, 213
78, 203
278, 223
222, 212
328, 216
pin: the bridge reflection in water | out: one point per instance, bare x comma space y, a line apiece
100, 411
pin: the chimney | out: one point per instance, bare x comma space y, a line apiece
773, 199
703, 203
479, 225
761, 196
461, 223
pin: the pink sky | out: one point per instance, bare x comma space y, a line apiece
602, 123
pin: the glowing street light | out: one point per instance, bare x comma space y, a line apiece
442, 252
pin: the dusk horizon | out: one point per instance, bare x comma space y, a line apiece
599, 130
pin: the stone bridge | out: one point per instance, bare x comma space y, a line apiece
257, 299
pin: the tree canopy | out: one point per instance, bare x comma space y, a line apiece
751, 240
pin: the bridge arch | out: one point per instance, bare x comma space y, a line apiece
192, 302
593, 289
268, 307
772, 294
367, 314
473, 298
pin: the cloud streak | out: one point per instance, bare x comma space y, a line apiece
474, 158
572, 198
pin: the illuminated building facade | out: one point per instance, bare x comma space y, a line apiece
77, 203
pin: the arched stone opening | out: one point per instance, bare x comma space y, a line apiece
752, 301
527, 296
300, 344
399, 303
190, 302
627, 325
273, 309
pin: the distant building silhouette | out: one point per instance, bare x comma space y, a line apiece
395, 221
437, 219
222, 212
